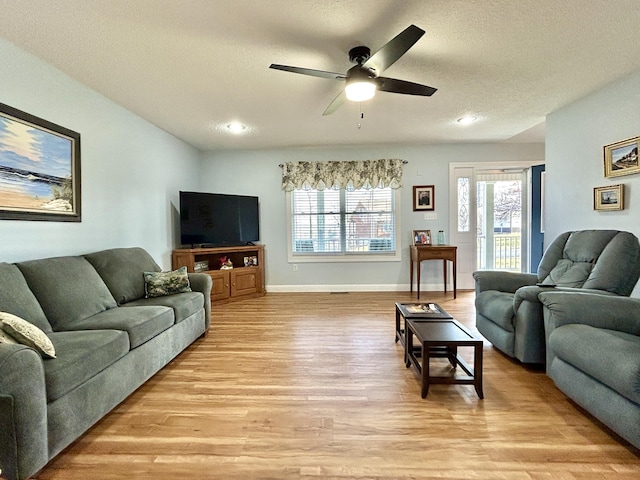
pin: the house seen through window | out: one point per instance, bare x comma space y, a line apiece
343, 222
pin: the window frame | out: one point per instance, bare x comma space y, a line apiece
345, 257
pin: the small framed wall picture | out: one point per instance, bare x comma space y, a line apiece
610, 197
423, 198
621, 158
421, 237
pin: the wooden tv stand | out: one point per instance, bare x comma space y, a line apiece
238, 283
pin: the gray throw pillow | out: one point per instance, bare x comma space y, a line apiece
159, 284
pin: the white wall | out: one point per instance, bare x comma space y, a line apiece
257, 173
575, 136
131, 170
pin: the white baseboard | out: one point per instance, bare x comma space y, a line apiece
348, 288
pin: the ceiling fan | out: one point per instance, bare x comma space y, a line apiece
363, 79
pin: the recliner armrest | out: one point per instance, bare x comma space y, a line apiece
502, 281
531, 292
594, 309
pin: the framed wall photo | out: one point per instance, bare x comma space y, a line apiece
423, 197
621, 158
610, 197
421, 237
39, 169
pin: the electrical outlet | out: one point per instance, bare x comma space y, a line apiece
294, 267
430, 216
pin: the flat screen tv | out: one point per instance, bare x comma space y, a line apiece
216, 220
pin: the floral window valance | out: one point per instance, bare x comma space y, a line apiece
355, 174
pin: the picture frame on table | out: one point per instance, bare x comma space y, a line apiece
201, 266
39, 169
621, 158
251, 261
423, 198
421, 237
610, 197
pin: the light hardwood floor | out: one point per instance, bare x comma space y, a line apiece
313, 386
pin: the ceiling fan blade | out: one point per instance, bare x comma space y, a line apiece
335, 104
394, 49
308, 71
394, 85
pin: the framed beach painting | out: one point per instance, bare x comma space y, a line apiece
621, 158
39, 169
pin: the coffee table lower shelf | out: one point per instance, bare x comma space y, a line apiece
441, 338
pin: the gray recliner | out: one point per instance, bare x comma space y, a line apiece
508, 312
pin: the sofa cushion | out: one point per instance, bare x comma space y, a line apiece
159, 284
609, 356
140, 323
68, 289
183, 304
122, 269
81, 355
17, 298
496, 306
27, 334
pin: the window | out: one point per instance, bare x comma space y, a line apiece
345, 222
463, 204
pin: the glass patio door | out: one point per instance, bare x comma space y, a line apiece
500, 213
489, 218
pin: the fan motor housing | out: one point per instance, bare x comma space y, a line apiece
359, 54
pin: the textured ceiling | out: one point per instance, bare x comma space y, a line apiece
189, 66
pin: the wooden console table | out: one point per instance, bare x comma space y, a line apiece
420, 253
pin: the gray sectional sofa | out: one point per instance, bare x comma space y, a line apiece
108, 339
593, 355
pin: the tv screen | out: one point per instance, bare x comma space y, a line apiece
215, 219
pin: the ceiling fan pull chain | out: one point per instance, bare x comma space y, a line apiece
361, 116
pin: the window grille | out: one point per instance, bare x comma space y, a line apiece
343, 222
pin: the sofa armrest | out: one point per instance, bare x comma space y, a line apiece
502, 281
23, 412
201, 282
599, 311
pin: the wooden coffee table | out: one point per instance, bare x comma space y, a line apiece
417, 311
441, 338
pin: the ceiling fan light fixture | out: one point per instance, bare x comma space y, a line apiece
360, 90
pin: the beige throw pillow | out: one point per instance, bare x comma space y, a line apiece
27, 334
6, 338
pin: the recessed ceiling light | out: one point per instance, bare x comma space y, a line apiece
231, 128
467, 119
236, 128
